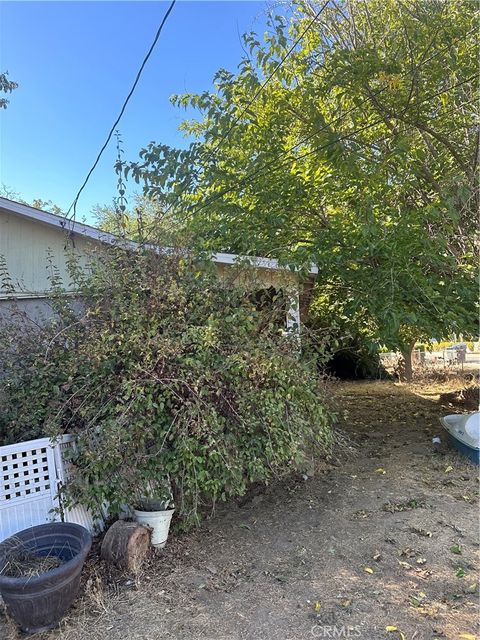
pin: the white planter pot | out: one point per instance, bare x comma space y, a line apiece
159, 521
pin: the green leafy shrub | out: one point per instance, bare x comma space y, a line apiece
168, 374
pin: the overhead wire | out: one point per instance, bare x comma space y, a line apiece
73, 206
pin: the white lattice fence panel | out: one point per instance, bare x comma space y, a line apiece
76, 514
27, 485
30, 475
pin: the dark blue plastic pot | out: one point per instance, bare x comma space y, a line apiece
37, 603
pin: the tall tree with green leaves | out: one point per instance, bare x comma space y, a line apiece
348, 137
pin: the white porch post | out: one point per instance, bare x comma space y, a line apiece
293, 314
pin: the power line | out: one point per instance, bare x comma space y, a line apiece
122, 110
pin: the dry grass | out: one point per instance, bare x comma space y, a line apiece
293, 557
22, 562
28, 565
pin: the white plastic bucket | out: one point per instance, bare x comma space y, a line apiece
159, 521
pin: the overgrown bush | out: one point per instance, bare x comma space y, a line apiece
348, 342
166, 374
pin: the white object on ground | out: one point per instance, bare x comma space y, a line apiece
31, 475
159, 521
436, 440
464, 427
472, 426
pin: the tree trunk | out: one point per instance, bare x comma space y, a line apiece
408, 362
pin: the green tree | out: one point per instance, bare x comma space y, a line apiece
144, 221
6, 86
47, 205
359, 152
11, 194
37, 203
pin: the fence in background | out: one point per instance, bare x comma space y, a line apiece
445, 358
31, 474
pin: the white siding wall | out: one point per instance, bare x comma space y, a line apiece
25, 244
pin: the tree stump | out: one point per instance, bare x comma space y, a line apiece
125, 545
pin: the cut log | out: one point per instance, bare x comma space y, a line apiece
125, 545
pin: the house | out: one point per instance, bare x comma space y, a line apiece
34, 244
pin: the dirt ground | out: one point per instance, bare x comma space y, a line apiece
382, 543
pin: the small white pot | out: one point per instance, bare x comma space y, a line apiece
159, 521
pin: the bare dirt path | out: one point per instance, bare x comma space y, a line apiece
388, 538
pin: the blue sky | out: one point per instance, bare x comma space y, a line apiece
75, 63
